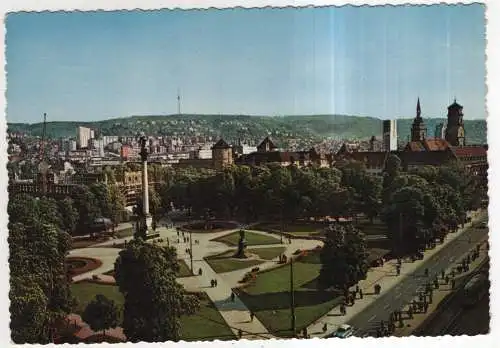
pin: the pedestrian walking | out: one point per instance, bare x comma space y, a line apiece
232, 296
215, 282
361, 293
200, 271
240, 333
357, 289
212, 283
251, 316
325, 327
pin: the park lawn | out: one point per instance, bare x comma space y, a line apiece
269, 296
85, 292
377, 228
296, 229
125, 232
278, 279
251, 238
207, 323
184, 271
225, 262
267, 253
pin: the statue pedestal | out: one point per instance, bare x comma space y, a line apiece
149, 224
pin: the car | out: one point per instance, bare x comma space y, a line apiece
344, 331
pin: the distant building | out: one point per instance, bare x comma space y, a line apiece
266, 146
390, 135
72, 145
439, 131
84, 135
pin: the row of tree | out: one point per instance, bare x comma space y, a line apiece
424, 204
274, 191
39, 292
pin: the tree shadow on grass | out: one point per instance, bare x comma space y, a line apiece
282, 300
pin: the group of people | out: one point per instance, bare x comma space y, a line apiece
213, 283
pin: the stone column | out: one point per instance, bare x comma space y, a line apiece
145, 189
145, 183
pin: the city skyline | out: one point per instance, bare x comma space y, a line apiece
296, 61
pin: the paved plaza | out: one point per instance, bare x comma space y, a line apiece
236, 314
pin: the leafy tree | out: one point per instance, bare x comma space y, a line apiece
101, 314
392, 170
154, 301
28, 311
343, 257
103, 198
36, 259
87, 206
69, 215
118, 203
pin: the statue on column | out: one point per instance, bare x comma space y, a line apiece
142, 208
143, 141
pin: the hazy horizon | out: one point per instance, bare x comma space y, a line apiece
232, 115
359, 61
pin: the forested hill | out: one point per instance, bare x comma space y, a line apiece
233, 127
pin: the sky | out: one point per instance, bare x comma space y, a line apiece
367, 61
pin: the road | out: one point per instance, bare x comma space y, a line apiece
402, 294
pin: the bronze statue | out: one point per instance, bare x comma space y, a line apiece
143, 141
241, 246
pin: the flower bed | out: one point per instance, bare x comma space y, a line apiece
79, 265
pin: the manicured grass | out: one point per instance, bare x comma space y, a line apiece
225, 262
85, 292
278, 279
125, 232
377, 228
206, 324
298, 229
184, 271
251, 238
269, 296
217, 226
267, 253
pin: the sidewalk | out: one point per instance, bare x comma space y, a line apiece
386, 277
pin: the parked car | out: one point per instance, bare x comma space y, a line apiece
344, 331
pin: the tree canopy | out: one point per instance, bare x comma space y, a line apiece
154, 301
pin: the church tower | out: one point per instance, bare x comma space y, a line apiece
455, 132
418, 129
